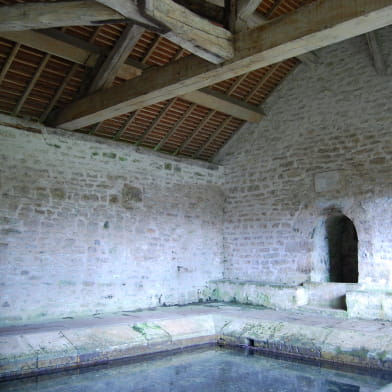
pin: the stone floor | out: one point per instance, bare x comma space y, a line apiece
36, 348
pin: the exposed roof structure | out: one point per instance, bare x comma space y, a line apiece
49, 65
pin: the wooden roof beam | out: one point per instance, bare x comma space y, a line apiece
311, 27
81, 53
205, 9
192, 32
225, 104
245, 10
26, 16
117, 57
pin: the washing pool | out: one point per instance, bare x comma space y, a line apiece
207, 369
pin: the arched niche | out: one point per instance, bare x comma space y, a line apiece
335, 250
342, 242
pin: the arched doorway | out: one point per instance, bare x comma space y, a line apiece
342, 249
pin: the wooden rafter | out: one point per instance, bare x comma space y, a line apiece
69, 48
9, 61
195, 132
175, 126
237, 82
162, 114
125, 126
95, 128
117, 57
31, 84
222, 126
309, 28
262, 81
26, 16
86, 50
151, 49
277, 4
184, 27
246, 8
59, 92
224, 103
53, 46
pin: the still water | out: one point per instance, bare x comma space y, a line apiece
204, 370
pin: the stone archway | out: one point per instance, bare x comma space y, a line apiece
342, 243
335, 249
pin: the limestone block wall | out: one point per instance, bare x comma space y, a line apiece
325, 146
90, 226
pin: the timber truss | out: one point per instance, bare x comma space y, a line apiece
178, 76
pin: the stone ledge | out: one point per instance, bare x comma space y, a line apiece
270, 295
370, 304
37, 349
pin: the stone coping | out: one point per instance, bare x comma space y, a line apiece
38, 348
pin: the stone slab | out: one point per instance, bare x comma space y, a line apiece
52, 349
36, 348
104, 343
16, 355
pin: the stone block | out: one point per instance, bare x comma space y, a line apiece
16, 355
189, 328
102, 343
370, 304
273, 296
52, 348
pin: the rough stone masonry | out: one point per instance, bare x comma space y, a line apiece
325, 146
90, 226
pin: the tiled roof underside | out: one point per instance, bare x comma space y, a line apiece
35, 83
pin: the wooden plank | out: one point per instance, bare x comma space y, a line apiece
192, 32
224, 103
311, 27
26, 16
9, 61
31, 84
376, 53
111, 66
53, 46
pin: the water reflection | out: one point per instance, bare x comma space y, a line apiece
213, 370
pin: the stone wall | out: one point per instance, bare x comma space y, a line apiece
90, 226
324, 148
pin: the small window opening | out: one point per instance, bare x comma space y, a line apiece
342, 249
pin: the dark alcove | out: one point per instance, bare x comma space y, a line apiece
343, 249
